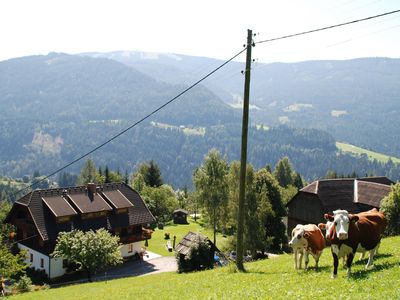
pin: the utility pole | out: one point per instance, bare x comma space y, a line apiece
243, 157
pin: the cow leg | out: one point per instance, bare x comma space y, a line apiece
362, 256
316, 257
300, 258
371, 258
295, 258
335, 264
350, 257
306, 259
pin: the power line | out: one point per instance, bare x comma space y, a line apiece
135, 124
328, 27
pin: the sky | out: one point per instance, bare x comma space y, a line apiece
209, 28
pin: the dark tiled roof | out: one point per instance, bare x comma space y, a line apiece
117, 199
44, 215
59, 206
89, 204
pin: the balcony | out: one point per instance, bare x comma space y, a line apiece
136, 237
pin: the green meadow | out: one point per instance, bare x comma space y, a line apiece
371, 154
273, 278
157, 243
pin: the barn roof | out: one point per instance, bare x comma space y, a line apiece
46, 205
188, 240
370, 193
347, 193
181, 210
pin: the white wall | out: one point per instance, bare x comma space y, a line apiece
56, 268
136, 247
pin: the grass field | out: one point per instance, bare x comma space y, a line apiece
272, 278
157, 243
371, 154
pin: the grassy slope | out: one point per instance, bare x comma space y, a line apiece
371, 154
268, 279
157, 243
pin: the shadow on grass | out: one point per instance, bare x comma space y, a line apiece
364, 274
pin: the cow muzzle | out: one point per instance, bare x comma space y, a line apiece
342, 236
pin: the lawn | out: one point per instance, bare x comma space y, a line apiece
272, 278
371, 154
157, 243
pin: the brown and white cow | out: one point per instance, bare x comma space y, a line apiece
351, 233
306, 239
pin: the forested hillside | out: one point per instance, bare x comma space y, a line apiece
57, 107
357, 100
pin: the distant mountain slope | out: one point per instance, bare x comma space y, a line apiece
57, 107
82, 88
357, 101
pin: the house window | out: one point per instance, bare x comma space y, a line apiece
42, 263
130, 248
31, 257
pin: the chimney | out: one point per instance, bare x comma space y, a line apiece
91, 188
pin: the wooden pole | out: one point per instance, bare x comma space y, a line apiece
243, 157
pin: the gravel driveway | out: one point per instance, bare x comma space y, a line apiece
150, 265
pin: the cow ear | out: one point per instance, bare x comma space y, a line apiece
328, 217
306, 235
322, 226
353, 218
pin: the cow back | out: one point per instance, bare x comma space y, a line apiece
315, 239
367, 231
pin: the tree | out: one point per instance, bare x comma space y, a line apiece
151, 174
88, 173
10, 264
211, 183
283, 172
90, 250
161, 201
138, 183
270, 208
66, 179
391, 208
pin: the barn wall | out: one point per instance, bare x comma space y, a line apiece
305, 208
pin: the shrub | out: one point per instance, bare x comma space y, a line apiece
391, 208
24, 284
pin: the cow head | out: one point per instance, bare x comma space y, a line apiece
299, 237
329, 229
341, 223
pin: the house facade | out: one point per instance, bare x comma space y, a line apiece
40, 215
310, 204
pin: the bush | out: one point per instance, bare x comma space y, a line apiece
38, 277
391, 208
24, 284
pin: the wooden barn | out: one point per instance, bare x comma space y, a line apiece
203, 260
180, 216
324, 196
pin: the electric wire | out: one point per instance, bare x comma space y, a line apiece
327, 27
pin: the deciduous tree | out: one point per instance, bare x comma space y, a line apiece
91, 250
211, 183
